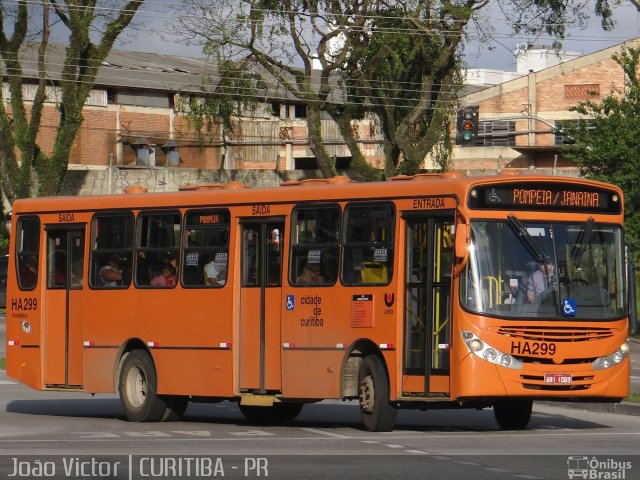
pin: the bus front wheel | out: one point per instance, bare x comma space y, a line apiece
138, 387
513, 414
378, 415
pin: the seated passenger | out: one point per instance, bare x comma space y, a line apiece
111, 273
540, 280
310, 274
166, 278
215, 271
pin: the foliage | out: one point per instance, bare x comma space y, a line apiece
607, 147
232, 94
409, 80
26, 167
399, 60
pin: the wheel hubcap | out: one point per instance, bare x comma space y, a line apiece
136, 387
367, 402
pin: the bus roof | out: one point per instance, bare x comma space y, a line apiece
321, 190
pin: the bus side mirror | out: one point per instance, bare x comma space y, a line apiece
461, 247
462, 241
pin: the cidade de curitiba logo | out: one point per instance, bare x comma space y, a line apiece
598, 468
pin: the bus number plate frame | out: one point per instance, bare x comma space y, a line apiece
558, 378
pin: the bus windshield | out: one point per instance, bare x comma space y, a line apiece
521, 269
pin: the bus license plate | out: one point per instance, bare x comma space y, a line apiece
557, 378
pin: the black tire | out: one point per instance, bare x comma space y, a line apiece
378, 415
176, 406
138, 388
278, 413
513, 414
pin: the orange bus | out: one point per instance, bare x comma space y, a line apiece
430, 291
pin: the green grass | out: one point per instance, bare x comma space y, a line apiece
634, 398
3, 364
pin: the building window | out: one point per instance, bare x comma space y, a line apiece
496, 133
561, 137
581, 92
305, 163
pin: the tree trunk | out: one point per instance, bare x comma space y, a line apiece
326, 164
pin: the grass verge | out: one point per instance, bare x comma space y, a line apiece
633, 398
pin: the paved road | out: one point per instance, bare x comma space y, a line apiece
326, 441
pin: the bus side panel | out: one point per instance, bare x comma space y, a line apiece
311, 374
99, 370
24, 323
188, 328
111, 318
204, 373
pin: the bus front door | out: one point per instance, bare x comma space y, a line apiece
63, 307
427, 324
261, 297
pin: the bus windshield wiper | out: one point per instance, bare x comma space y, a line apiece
582, 240
526, 238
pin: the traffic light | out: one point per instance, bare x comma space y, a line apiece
467, 126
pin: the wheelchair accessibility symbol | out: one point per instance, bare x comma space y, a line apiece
291, 302
569, 307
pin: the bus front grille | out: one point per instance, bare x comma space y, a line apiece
556, 334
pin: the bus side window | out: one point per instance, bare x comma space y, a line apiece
315, 245
205, 242
368, 245
27, 248
157, 247
112, 240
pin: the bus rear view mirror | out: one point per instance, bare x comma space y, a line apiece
462, 241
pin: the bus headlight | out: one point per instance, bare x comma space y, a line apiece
613, 359
488, 353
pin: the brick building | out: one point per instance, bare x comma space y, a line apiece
133, 119
519, 118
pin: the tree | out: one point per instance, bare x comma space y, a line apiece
607, 142
25, 169
233, 94
398, 59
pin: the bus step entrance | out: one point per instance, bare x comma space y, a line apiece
257, 400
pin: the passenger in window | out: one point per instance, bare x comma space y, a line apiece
541, 280
28, 271
523, 284
310, 274
111, 273
215, 271
166, 278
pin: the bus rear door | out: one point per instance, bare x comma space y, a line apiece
261, 298
427, 325
63, 342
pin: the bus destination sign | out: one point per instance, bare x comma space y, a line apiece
558, 197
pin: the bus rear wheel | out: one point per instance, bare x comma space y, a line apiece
278, 413
138, 387
513, 414
378, 415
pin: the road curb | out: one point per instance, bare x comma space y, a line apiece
623, 408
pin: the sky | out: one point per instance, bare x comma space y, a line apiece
582, 41
498, 54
